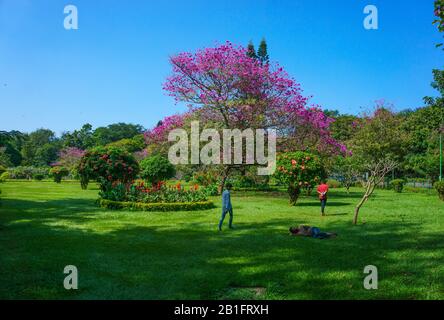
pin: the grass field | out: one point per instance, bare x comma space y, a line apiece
181, 255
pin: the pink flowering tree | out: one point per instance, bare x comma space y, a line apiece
69, 158
225, 87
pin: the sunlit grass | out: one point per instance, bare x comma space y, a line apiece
180, 255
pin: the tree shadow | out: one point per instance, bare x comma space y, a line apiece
191, 260
317, 204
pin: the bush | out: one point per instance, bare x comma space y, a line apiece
333, 184
206, 177
2, 169
4, 176
439, 186
39, 176
250, 179
420, 190
58, 173
397, 185
156, 168
212, 190
140, 192
23, 172
106, 166
179, 206
298, 170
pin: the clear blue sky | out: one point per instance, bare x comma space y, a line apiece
112, 68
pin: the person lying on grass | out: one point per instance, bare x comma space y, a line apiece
313, 232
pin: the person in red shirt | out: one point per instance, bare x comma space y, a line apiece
322, 192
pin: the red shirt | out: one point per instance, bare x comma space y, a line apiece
323, 188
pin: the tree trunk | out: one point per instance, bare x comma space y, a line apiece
355, 218
294, 193
367, 194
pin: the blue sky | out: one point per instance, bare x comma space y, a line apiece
112, 68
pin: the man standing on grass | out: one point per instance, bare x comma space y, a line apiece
226, 207
322, 192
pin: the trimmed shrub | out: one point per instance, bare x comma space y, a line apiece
397, 185
439, 186
148, 193
177, 206
39, 176
58, 173
333, 184
156, 168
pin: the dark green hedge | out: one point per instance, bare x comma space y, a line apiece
177, 206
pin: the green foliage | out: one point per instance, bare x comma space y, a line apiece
136, 143
344, 127
249, 179
156, 168
58, 173
206, 177
115, 132
2, 169
107, 165
332, 183
439, 186
4, 176
380, 137
26, 172
40, 148
397, 185
298, 170
159, 192
82, 139
179, 206
38, 176
212, 189
262, 52
251, 51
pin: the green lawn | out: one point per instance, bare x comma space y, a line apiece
181, 255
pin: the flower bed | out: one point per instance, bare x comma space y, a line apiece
153, 197
175, 206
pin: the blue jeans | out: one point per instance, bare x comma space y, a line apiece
224, 213
323, 204
316, 233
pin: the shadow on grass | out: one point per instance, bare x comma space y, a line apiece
194, 261
317, 204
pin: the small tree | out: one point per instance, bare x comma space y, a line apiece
377, 172
107, 165
298, 170
156, 168
439, 186
397, 185
379, 146
348, 171
58, 173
